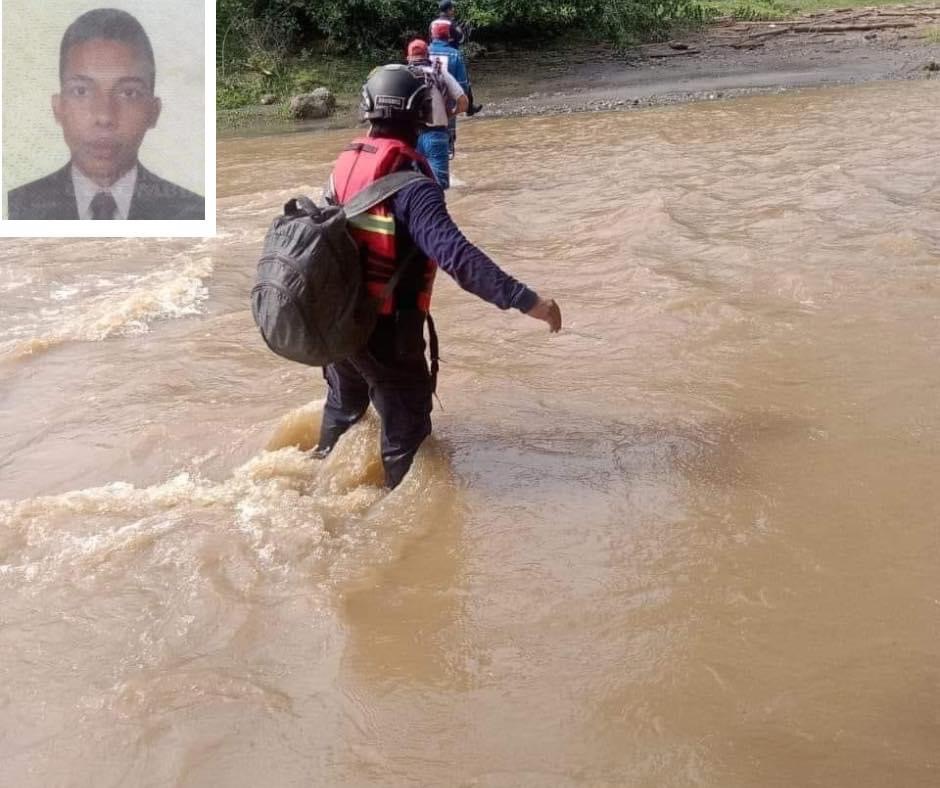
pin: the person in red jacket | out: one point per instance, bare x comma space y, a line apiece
411, 229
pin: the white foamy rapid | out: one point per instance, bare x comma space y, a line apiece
94, 308
285, 515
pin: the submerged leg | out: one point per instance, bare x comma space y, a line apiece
452, 135
404, 403
346, 402
433, 145
473, 109
401, 391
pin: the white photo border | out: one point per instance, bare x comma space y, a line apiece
135, 228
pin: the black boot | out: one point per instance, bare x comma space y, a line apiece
396, 466
333, 426
474, 108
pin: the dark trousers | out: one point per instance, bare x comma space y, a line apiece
470, 111
392, 374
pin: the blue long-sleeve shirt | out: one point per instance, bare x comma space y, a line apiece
420, 208
455, 65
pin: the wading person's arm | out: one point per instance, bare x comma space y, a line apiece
422, 210
459, 103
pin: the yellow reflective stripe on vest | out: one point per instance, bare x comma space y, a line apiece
369, 222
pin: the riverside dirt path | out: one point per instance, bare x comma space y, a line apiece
842, 46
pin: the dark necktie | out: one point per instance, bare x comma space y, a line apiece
103, 206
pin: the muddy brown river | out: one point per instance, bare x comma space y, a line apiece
691, 540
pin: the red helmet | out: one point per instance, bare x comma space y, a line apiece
418, 50
440, 30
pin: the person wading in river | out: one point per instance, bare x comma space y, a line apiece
448, 15
447, 100
451, 61
456, 38
411, 229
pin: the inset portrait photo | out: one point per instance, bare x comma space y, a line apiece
107, 125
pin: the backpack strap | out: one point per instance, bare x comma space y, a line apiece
379, 191
434, 347
416, 254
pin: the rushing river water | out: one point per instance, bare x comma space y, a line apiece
691, 540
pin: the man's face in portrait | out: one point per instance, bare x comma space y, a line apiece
105, 107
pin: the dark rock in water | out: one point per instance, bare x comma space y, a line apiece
319, 104
268, 99
933, 65
678, 45
871, 36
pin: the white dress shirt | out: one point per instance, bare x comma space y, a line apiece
122, 190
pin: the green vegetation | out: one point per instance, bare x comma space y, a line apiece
781, 9
281, 46
932, 34
242, 84
371, 26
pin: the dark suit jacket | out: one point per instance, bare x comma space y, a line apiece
53, 197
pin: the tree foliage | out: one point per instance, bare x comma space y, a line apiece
374, 26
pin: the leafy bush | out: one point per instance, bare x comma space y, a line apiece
753, 10
633, 20
231, 94
374, 27
280, 46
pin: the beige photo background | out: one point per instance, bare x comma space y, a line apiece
32, 141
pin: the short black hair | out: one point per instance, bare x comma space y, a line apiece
396, 129
110, 24
445, 5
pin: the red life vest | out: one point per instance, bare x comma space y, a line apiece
364, 161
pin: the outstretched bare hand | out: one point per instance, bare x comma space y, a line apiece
546, 309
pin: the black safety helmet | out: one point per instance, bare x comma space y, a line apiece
396, 94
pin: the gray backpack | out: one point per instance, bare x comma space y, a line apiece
309, 300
